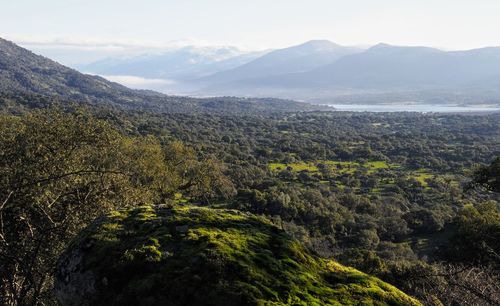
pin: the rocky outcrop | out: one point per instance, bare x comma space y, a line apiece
201, 256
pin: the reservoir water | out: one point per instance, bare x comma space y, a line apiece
422, 108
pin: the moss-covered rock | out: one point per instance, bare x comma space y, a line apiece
202, 256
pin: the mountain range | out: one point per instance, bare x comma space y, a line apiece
383, 73
23, 73
301, 58
322, 71
186, 63
317, 71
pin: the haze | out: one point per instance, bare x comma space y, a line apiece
317, 51
258, 24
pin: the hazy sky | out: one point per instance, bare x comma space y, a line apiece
259, 24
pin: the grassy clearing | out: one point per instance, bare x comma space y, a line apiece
381, 164
337, 166
382, 171
296, 167
422, 176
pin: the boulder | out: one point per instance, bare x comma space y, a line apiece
203, 256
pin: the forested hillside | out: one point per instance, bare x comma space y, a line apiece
25, 73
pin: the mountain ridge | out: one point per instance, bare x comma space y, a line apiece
25, 73
297, 58
185, 63
386, 69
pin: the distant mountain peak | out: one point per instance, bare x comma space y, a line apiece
384, 48
26, 75
294, 59
314, 46
188, 62
320, 43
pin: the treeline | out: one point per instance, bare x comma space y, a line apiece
59, 171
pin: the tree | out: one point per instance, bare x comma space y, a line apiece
424, 221
477, 237
487, 177
478, 226
197, 178
59, 171
447, 284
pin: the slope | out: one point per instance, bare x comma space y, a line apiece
203, 256
294, 59
25, 73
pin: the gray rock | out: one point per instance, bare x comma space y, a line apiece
74, 287
182, 228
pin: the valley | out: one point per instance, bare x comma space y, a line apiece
116, 196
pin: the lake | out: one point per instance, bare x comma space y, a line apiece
422, 108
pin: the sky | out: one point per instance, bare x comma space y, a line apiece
114, 26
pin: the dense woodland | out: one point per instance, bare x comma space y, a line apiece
406, 197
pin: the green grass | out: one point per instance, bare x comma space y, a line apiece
340, 163
422, 176
296, 167
376, 190
191, 255
338, 166
381, 164
341, 167
179, 198
371, 168
374, 166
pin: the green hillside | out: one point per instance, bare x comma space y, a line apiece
203, 256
